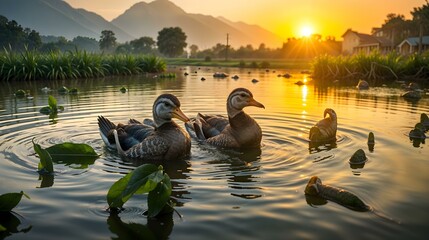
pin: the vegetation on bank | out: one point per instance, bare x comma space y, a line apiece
32, 65
247, 63
376, 68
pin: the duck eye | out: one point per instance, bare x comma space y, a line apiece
243, 95
167, 104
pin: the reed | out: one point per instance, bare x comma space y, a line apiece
376, 68
32, 65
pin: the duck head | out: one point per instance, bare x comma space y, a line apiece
240, 98
312, 186
166, 107
331, 113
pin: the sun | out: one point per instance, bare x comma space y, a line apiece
306, 31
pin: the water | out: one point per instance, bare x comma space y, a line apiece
228, 195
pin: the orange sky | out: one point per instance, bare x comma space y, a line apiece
283, 17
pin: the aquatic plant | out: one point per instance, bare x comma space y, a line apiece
374, 67
8, 201
32, 65
123, 89
67, 153
52, 107
146, 178
167, 75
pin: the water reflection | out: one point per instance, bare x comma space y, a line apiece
240, 169
315, 147
156, 228
13, 224
47, 180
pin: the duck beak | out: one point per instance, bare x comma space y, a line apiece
253, 102
177, 113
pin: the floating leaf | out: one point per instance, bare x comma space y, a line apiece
159, 197
2, 228
124, 188
73, 153
45, 110
20, 93
145, 179
114, 196
52, 102
9, 200
45, 164
63, 90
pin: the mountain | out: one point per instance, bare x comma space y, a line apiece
58, 18
147, 19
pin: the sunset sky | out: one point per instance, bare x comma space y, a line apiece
287, 18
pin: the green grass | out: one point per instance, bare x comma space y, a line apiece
249, 63
376, 68
31, 65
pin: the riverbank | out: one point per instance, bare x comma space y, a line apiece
304, 64
375, 68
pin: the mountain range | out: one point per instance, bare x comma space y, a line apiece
58, 18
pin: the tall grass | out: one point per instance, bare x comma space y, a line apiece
374, 67
31, 65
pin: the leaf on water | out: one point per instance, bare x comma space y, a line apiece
9, 200
114, 196
139, 180
45, 164
52, 102
159, 197
45, 110
147, 178
72, 153
2, 228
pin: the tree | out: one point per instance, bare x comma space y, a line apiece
171, 41
86, 43
107, 41
421, 18
194, 50
143, 45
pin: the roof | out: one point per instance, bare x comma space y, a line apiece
367, 39
414, 41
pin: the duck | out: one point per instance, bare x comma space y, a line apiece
362, 85
325, 129
160, 139
237, 131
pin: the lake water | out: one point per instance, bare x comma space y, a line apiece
221, 195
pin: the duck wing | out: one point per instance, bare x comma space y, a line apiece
153, 147
324, 130
212, 125
128, 134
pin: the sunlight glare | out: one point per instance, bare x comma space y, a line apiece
306, 31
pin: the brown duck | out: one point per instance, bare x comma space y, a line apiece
162, 139
238, 130
325, 129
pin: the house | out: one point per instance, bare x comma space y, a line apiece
355, 42
411, 45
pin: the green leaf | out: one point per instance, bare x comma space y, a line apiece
9, 200
114, 196
45, 163
2, 228
124, 188
45, 110
159, 197
142, 180
52, 102
73, 153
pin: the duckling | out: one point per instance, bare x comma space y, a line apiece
160, 139
325, 129
238, 130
